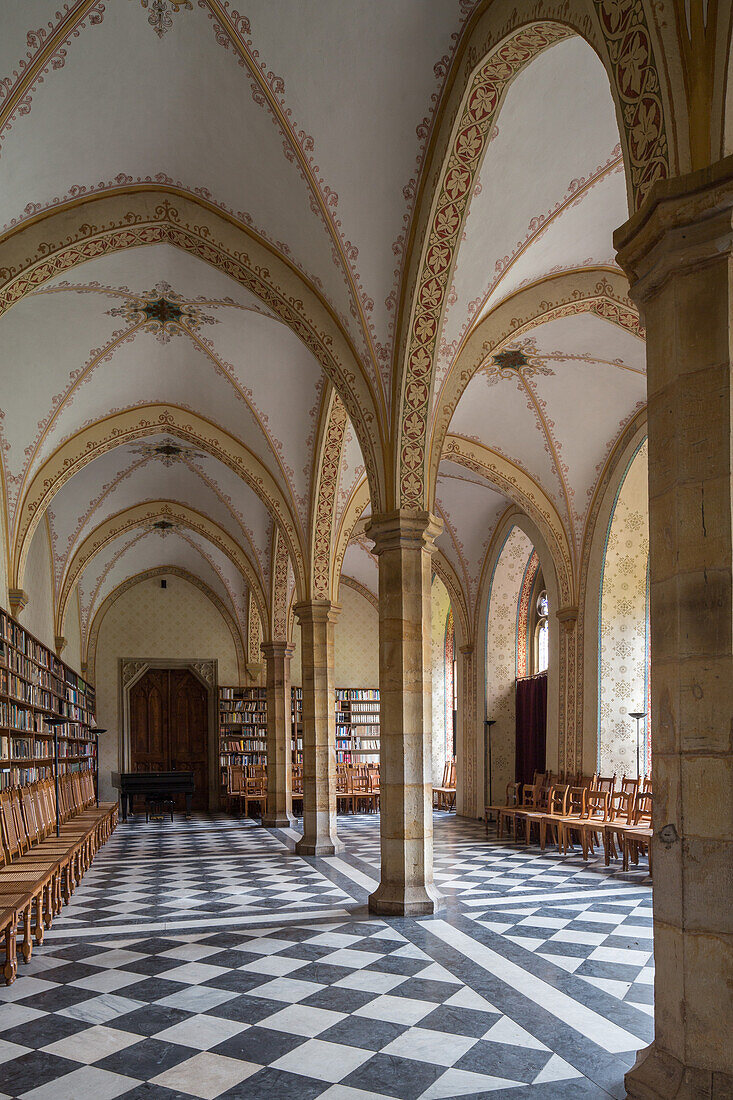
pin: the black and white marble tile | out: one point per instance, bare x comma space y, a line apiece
205, 959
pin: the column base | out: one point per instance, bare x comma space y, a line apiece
314, 847
278, 821
658, 1075
394, 900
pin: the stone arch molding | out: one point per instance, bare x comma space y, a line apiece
499, 45
141, 515
90, 649
132, 217
131, 424
522, 491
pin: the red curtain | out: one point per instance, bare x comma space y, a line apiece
531, 727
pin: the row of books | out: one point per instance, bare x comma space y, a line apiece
242, 693
357, 693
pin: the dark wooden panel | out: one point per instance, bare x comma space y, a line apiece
169, 721
149, 721
189, 719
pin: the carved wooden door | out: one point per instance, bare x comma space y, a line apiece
169, 721
188, 729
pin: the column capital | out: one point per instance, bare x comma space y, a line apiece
686, 222
408, 528
467, 650
317, 611
18, 600
60, 644
568, 616
272, 650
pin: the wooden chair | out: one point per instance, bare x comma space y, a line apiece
575, 814
255, 788
557, 803
595, 820
639, 835
506, 814
444, 796
620, 817
533, 816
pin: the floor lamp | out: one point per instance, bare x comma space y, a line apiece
638, 715
488, 723
54, 723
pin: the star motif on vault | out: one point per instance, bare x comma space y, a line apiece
515, 362
162, 312
162, 527
168, 451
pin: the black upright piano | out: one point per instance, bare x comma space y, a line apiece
152, 785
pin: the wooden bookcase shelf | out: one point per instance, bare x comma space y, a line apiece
242, 727
34, 686
357, 725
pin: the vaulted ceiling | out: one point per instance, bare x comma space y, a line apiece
162, 409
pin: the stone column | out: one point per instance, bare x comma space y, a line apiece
677, 252
469, 738
404, 543
279, 759
317, 618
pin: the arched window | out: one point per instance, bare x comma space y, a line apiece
541, 633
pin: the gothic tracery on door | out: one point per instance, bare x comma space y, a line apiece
169, 717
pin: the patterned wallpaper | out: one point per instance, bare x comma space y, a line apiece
356, 644
501, 655
440, 608
149, 621
623, 622
37, 582
356, 653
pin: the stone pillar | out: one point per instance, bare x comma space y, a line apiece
469, 738
404, 543
279, 759
317, 618
677, 252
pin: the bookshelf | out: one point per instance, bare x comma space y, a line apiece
357, 725
242, 727
296, 722
34, 686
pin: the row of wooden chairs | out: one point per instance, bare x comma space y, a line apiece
357, 787
444, 795
39, 870
592, 811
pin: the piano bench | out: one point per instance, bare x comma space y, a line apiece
158, 806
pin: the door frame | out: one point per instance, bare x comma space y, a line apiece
207, 672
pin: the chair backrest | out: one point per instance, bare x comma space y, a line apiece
629, 786
11, 840
606, 783
28, 805
576, 801
643, 809
597, 805
622, 807
557, 800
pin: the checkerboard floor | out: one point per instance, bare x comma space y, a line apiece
205, 959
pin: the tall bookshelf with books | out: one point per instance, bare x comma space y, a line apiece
36, 686
296, 724
242, 727
357, 725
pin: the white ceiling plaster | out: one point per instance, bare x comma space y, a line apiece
470, 511
537, 159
